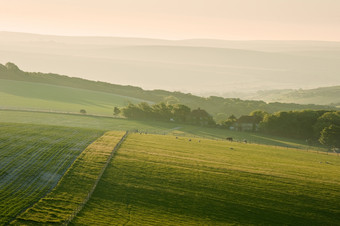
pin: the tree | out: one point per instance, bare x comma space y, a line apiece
116, 111
325, 120
229, 122
294, 124
259, 115
330, 136
162, 111
132, 111
181, 112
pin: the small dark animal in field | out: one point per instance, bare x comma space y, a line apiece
176, 137
229, 139
189, 139
231, 148
199, 141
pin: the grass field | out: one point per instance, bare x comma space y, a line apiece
32, 160
75, 185
161, 180
38, 96
147, 126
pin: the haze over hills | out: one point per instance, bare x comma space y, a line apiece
322, 95
40, 91
181, 65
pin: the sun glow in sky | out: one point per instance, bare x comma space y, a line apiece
177, 19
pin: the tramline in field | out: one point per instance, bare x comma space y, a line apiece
75, 188
169, 180
161, 180
32, 160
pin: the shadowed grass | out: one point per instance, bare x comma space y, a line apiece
32, 160
74, 186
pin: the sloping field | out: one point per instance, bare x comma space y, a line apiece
32, 160
156, 127
76, 186
38, 96
161, 180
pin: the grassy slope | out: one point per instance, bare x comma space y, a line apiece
32, 160
160, 180
74, 186
30, 95
145, 126
214, 105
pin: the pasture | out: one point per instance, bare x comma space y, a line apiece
38, 96
75, 187
32, 160
154, 127
161, 180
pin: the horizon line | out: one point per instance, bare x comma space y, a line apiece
164, 39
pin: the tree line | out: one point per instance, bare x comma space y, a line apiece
312, 125
166, 112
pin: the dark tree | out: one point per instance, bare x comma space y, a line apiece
325, 120
116, 111
181, 112
330, 136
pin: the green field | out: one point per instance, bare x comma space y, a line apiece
76, 185
38, 96
32, 160
107, 123
161, 180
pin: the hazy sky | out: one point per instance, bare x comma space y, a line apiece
176, 19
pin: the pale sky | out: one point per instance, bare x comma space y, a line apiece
176, 19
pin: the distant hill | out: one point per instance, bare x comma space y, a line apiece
323, 95
179, 65
102, 95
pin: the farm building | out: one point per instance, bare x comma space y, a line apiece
247, 123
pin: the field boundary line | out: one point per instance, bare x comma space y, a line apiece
81, 206
55, 112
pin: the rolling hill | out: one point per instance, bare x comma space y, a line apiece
167, 180
323, 95
27, 90
33, 158
181, 65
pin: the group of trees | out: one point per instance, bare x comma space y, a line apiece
312, 125
165, 112
322, 126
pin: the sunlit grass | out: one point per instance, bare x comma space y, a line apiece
154, 127
161, 180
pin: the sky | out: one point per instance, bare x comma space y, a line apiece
176, 19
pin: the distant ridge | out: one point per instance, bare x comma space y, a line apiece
179, 65
219, 107
322, 95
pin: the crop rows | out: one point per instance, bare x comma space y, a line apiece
75, 187
164, 180
32, 160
